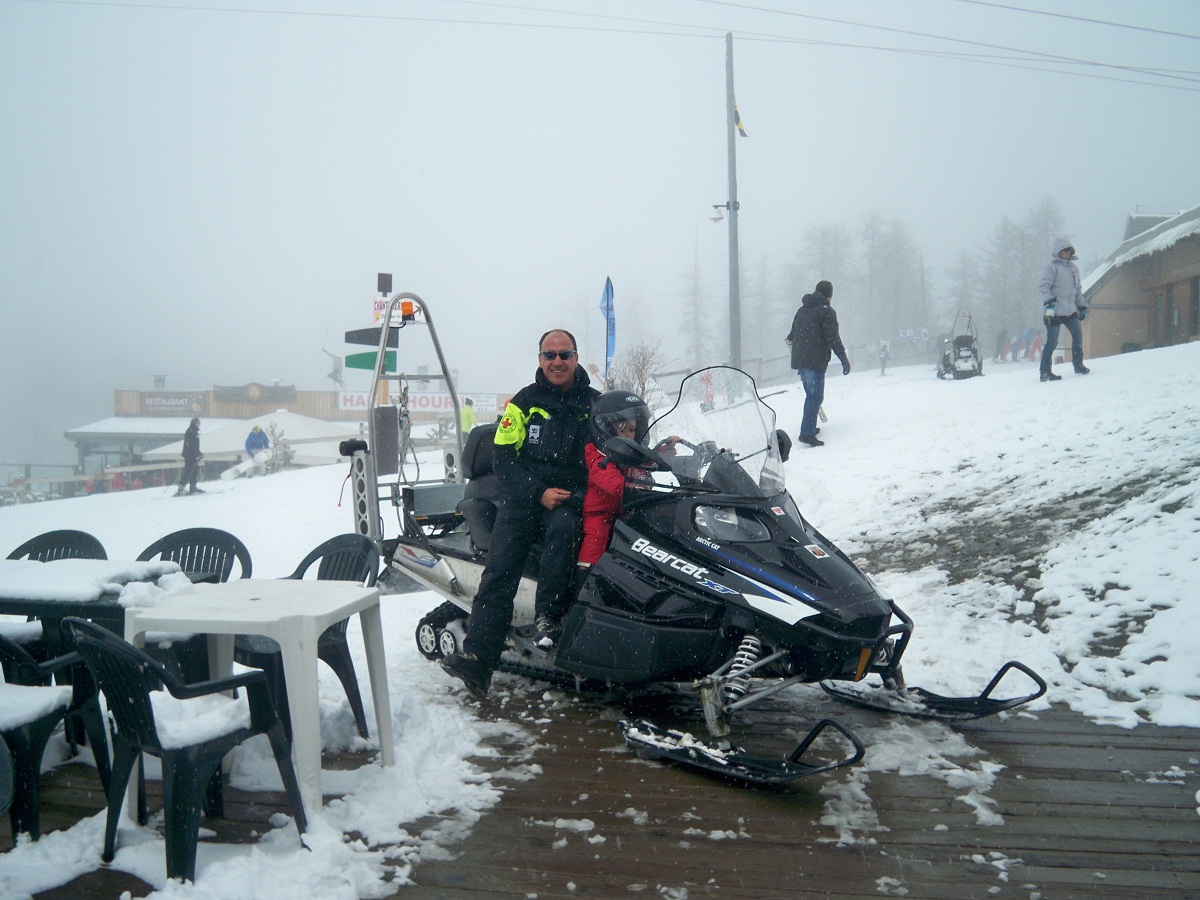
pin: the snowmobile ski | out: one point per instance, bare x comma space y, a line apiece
928, 705
730, 762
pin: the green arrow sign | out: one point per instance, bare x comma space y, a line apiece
367, 360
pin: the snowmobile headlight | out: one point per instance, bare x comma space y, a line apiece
729, 525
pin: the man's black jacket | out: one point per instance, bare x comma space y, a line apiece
541, 436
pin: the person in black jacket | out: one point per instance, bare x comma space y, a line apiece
538, 459
813, 338
191, 459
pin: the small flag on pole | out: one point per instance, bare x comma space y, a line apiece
738, 120
606, 307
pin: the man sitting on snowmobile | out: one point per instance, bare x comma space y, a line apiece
614, 414
538, 459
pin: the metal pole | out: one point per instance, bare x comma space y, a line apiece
735, 312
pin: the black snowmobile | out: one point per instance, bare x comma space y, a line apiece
960, 352
713, 578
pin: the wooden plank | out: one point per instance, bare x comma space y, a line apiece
1082, 817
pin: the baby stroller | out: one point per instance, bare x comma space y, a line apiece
960, 351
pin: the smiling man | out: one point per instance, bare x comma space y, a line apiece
538, 458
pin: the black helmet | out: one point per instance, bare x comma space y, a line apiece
612, 407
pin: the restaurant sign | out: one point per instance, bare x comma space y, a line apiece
172, 403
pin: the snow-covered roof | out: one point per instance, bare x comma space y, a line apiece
1154, 240
314, 441
165, 425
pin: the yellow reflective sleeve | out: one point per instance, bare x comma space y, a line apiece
511, 430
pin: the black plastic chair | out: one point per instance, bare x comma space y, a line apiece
64, 544
202, 551
199, 551
21, 668
126, 675
6, 777
26, 730
347, 557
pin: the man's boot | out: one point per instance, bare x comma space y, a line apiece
468, 669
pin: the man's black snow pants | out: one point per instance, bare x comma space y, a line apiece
517, 529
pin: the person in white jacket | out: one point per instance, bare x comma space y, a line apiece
1061, 291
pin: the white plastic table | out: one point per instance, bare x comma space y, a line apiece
293, 613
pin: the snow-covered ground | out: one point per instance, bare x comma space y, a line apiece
1058, 524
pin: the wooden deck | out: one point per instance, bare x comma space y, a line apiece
1082, 811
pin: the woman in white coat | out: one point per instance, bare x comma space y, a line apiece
1061, 291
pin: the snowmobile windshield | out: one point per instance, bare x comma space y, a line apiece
726, 435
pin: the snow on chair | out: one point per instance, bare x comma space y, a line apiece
20, 668
28, 716
190, 727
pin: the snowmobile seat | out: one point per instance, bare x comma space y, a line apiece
483, 490
965, 342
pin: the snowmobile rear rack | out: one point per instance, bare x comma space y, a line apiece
925, 704
730, 762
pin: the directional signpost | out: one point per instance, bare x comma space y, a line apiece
367, 360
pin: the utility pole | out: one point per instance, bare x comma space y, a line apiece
731, 117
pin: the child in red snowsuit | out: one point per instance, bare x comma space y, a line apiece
602, 502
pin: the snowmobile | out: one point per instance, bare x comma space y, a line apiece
960, 351
713, 578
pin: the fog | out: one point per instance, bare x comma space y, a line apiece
207, 191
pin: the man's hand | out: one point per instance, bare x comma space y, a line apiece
553, 498
845, 368
1048, 310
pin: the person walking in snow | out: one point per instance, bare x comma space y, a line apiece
538, 458
191, 460
1060, 289
466, 417
814, 338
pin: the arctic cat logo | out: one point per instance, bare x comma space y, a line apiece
644, 547
707, 543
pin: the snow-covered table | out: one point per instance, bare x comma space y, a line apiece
88, 588
293, 613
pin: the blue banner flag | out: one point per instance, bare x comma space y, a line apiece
606, 307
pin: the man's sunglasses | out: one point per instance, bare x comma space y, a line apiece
549, 355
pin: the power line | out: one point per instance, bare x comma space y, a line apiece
1025, 60
1054, 15
1049, 57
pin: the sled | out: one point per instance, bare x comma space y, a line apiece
262, 457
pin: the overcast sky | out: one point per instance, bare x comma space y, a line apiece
206, 191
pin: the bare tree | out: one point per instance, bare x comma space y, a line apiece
634, 369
